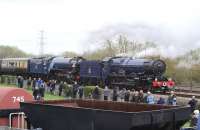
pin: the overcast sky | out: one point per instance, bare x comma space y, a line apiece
71, 25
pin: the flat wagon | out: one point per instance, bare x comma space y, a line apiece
103, 115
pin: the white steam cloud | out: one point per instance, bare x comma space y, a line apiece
171, 42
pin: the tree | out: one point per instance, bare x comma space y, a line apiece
118, 46
11, 52
69, 54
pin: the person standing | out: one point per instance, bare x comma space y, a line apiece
61, 86
48, 86
52, 86
172, 98
21, 82
18, 81
193, 103
132, 94
135, 97
150, 98
198, 122
122, 94
106, 93
194, 120
161, 101
36, 91
141, 97
80, 92
127, 96
39, 82
115, 93
42, 88
96, 93
29, 82
75, 89
34, 84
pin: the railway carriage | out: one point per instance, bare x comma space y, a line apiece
14, 66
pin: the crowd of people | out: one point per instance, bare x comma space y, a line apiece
125, 95
76, 90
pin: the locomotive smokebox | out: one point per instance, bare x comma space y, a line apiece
159, 67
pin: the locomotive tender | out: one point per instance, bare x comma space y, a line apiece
112, 71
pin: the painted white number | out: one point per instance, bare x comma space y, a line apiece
18, 99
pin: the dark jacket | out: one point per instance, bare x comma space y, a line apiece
193, 104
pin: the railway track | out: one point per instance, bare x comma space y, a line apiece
187, 90
187, 93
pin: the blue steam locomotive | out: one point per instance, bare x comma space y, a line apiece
122, 71
110, 71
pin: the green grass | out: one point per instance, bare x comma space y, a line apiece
7, 85
186, 125
47, 95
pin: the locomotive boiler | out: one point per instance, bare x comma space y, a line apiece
130, 67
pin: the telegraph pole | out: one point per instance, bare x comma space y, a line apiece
41, 42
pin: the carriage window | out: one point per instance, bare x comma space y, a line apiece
11, 64
23, 64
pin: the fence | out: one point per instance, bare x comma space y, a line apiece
6, 79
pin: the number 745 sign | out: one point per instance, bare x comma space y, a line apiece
18, 99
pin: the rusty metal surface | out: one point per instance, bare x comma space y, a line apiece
105, 105
10, 97
103, 115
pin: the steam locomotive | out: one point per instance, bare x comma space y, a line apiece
123, 71
112, 71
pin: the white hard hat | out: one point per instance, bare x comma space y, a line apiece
196, 112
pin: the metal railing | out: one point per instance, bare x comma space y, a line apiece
20, 120
8, 128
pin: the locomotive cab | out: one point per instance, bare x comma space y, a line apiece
39, 66
65, 68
